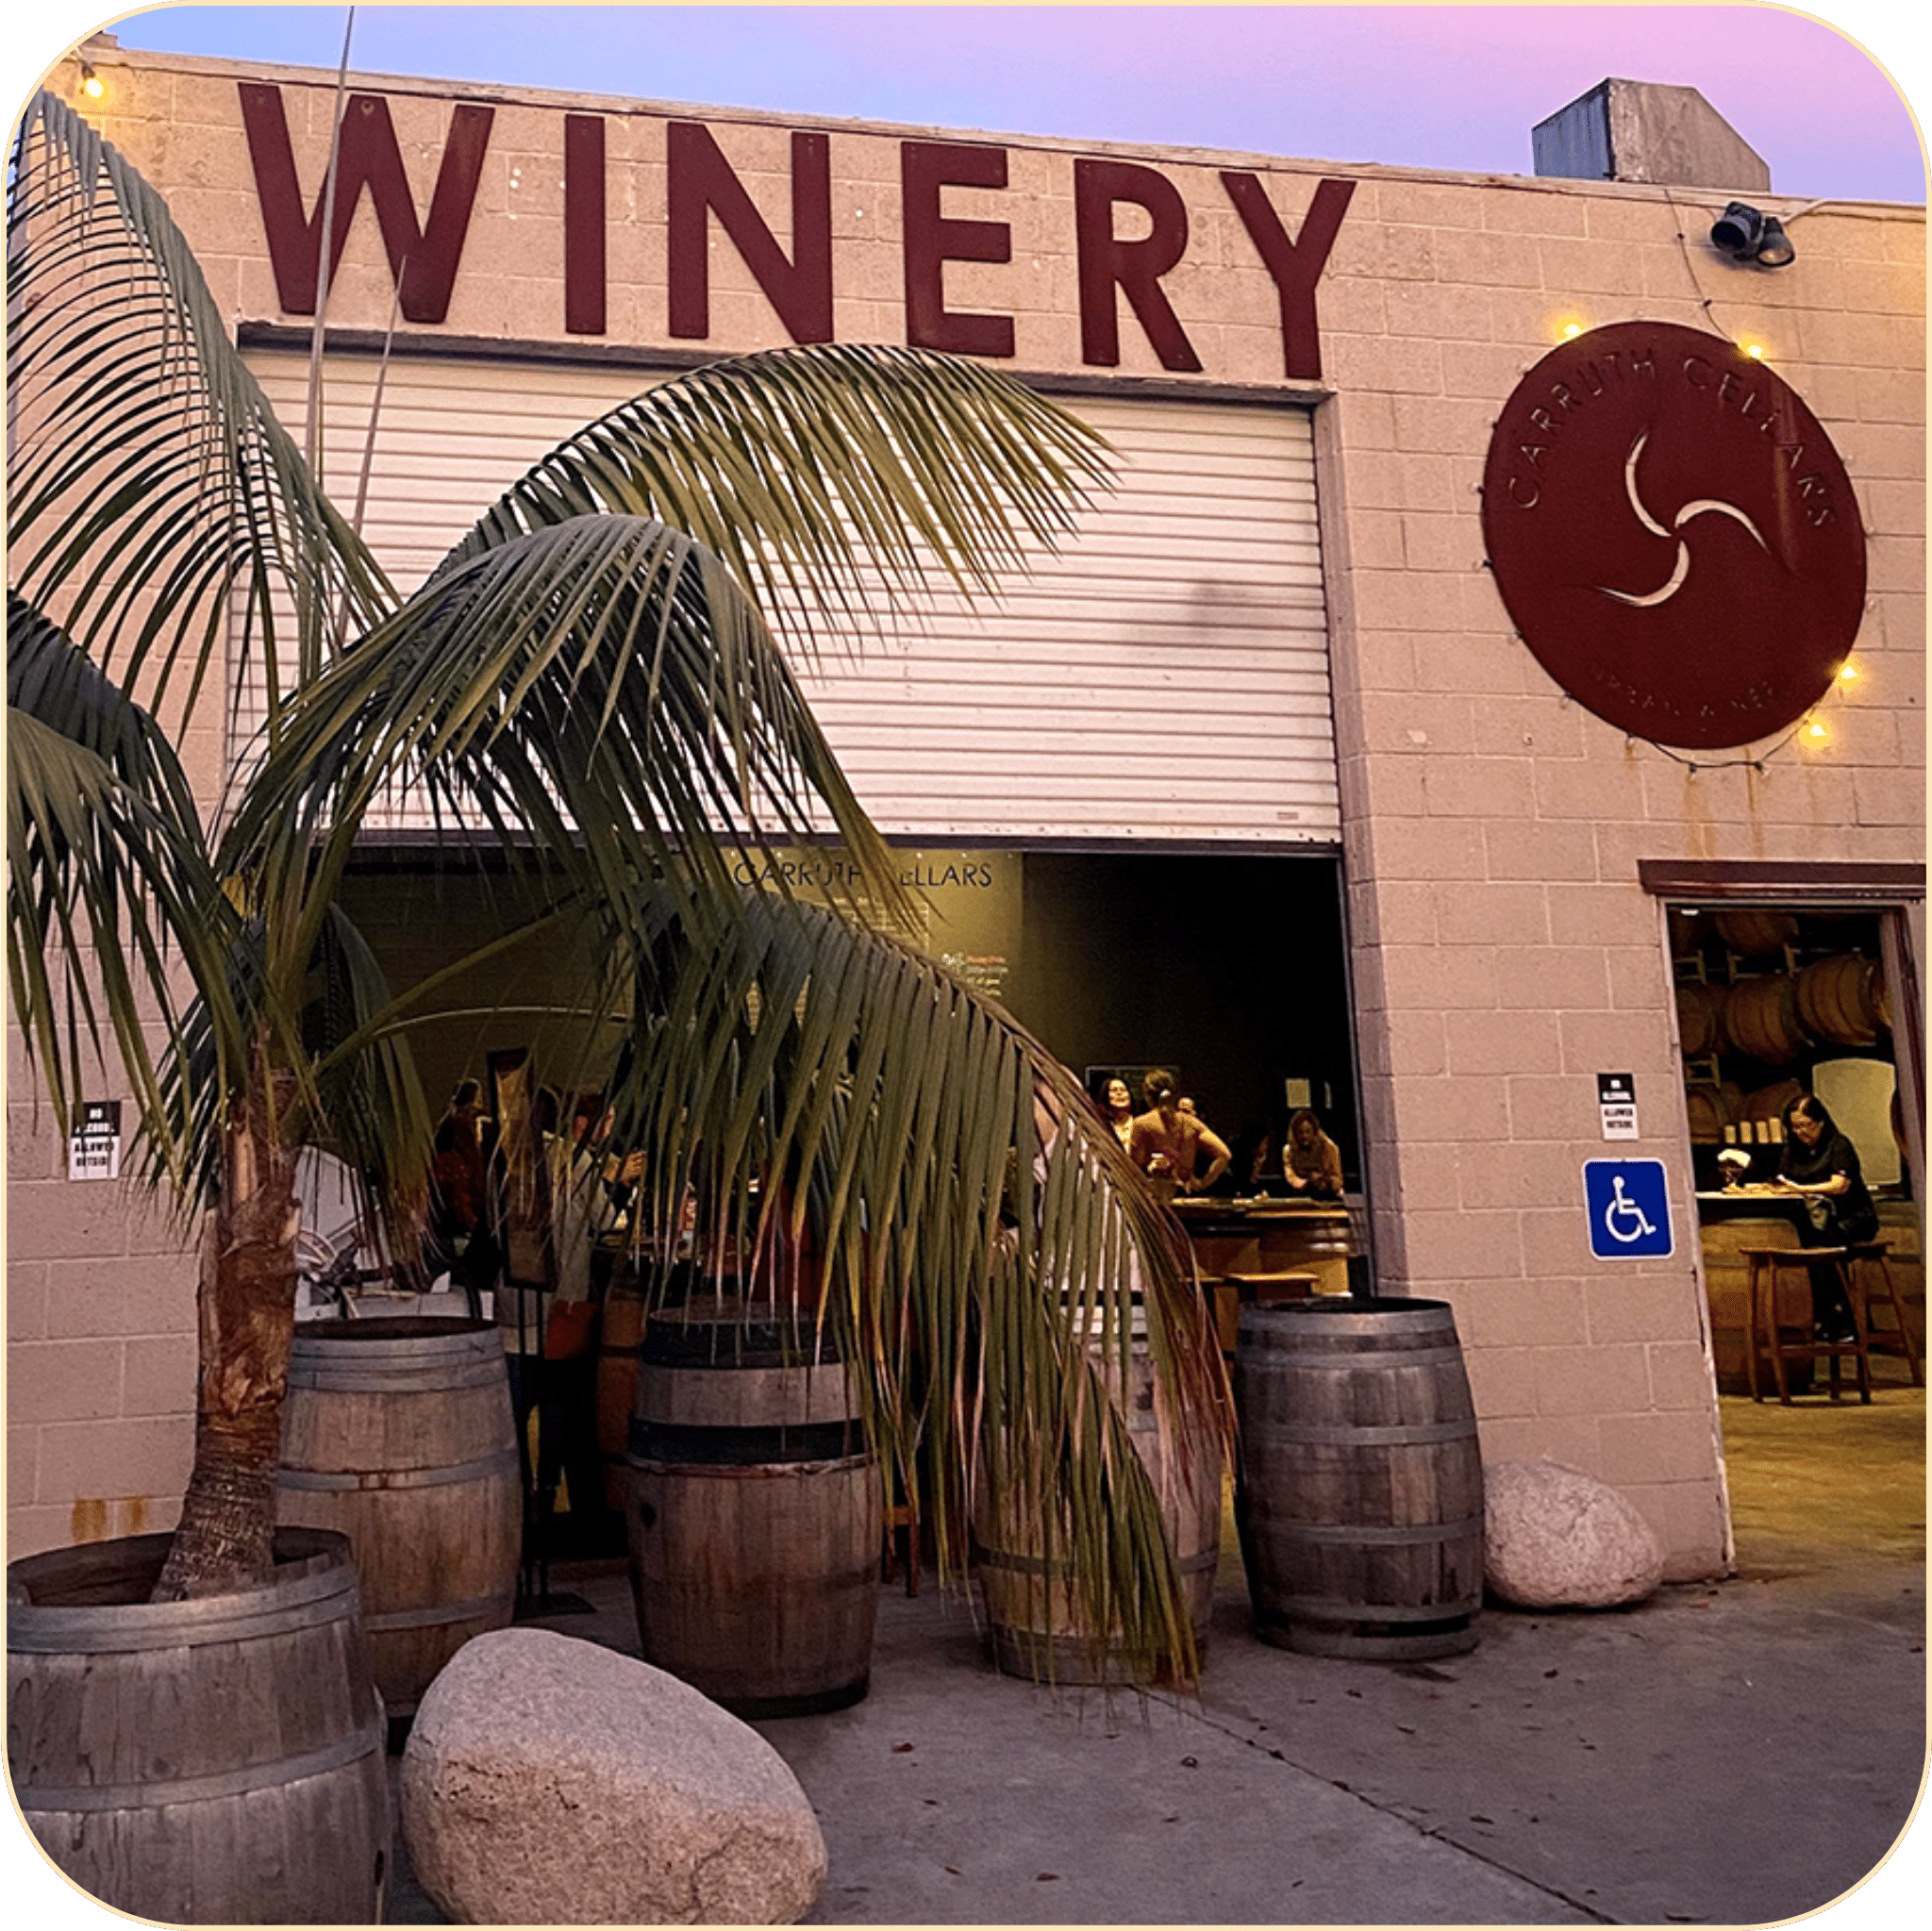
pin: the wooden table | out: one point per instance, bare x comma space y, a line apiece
1239, 1242
1737, 1217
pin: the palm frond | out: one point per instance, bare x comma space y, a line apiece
600, 687
113, 910
836, 478
825, 1089
156, 504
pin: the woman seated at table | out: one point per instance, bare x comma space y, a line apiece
1166, 1143
1822, 1164
1310, 1161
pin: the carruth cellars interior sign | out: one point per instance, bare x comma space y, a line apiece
1129, 227
1673, 535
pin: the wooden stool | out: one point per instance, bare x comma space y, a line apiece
900, 1522
1883, 1340
1761, 1331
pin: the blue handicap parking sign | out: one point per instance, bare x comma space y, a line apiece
1629, 1209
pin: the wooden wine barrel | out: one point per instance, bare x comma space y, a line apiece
1700, 1014
620, 1338
399, 1432
1753, 932
1359, 1497
1881, 996
1686, 931
1727, 1288
1835, 1000
756, 1515
1767, 1103
219, 1761
1761, 1020
1710, 1107
1036, 1626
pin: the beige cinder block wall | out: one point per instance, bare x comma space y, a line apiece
1504, 952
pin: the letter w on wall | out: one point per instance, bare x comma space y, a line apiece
423, 259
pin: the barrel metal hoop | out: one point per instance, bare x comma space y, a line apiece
1431, 1358
306, 1602
503, 1603
1020, 1563
1331, 1609
503, 1462
746, 1472
371, 1739
1341, 1435
727, 1446
1375, 1535
402, 1378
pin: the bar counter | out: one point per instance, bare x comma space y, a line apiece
1266, 1249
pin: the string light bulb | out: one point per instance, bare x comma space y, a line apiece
1848, 672
1572, 330
1815, 733
92, 84
1755, 350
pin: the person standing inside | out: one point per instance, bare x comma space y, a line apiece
1310, 1161
1119, 1110
1167, 1144
460, 1240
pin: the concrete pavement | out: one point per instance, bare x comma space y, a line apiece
1735, 1753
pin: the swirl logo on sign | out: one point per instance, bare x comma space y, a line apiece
1673, 535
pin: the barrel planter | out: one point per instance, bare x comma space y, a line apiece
1036, 1627
399, 1434
1761, 1020
219, 1761
755, 1517
620, 1336
1836, 1000
1359, 1490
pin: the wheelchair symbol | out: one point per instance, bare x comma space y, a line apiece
1621, 1212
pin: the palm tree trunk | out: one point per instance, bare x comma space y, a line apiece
246, 1303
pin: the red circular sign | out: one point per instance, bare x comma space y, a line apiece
1673, 535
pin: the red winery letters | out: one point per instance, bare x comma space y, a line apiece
703, 187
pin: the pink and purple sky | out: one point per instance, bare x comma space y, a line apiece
1419, 86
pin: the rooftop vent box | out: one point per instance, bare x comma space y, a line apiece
1637, 130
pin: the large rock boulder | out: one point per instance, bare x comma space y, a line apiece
549, 1781
1555, 1538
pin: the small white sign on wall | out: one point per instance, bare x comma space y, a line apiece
93, 1148
1616, 1099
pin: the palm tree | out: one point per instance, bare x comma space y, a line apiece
589, 678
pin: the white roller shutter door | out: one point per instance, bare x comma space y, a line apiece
1164, 676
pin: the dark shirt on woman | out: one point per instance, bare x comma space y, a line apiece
1848, 1216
